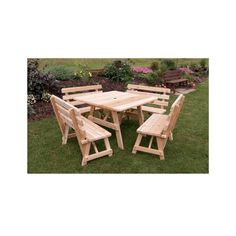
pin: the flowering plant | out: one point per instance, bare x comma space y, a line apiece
140, 69
82, 72
186, 70
31, 99
46, 97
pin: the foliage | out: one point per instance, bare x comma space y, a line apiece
155, 65
82, 72
195, 67
37, 82
46, 97
203, 63
61, 72
189, 77
31, 99
151, 78
170, 64
161, 71
119, 71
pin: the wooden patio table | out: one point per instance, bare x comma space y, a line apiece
116, 102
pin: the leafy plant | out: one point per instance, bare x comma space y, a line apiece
155, 65
203, 63
38, 82
119, 71
162, 69
151, 78
170, 64
61, 72
31, 99
82, 72
195, 67
46, 97
189, 77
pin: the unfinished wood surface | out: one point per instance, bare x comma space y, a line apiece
117, 130
86, 131
161, 127
115, 103
116, 100
162, 97
69, 95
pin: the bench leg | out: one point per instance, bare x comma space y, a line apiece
161, 142
85, 149
65, 134
138, 141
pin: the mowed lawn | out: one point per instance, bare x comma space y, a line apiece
187, 153
98, 63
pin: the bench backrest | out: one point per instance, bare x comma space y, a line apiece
69, 94
163, 93
174, 114
172, 75
67, 114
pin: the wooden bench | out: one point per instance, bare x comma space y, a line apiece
173, 78
160, 127
161, 93
86, 131
71, 93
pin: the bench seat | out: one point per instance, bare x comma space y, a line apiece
154, 125
93, 131
152, 109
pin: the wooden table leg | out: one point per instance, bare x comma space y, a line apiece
91, 113
117, 130
140, 115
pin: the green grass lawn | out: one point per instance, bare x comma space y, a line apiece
97, 63
187, 153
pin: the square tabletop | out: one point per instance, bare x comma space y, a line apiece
116, 100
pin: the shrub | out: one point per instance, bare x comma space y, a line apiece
37, 82
195, 67
119, 71
31, 99
155, 65
162, 69
151, 78
189, 77
82, 72
203, 63
170, 64
46, 97
61, 72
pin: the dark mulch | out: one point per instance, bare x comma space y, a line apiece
42, 110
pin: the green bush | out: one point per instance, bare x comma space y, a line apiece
170, 64
61, 72
155, 65
189, 77
119, 71
151, 78
37, 82
203, 63
82, 72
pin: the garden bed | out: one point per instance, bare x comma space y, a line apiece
44, 109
